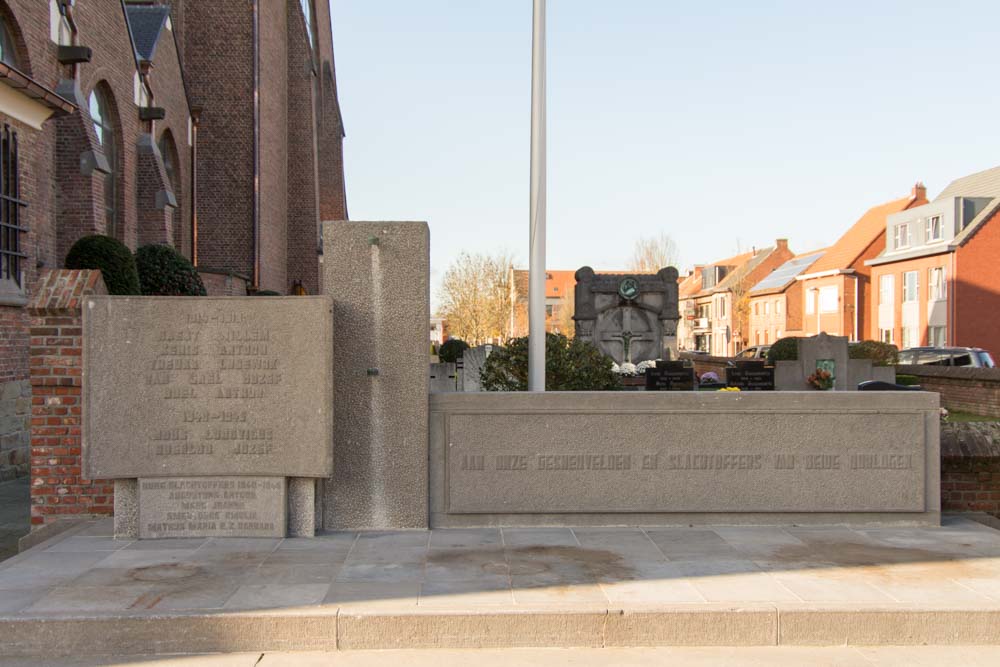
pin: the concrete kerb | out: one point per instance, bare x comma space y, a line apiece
344, 629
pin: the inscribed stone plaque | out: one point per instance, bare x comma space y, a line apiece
751, 378
670, 379
721, 461
177, 386
212, 507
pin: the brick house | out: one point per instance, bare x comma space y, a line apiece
935, 282
837, 288
721, 304
137, 119
559, 290
776, 301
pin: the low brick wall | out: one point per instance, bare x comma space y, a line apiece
58, 489
970, 467
975, 390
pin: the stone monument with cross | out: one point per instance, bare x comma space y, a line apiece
630, 317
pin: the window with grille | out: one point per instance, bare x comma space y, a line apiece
11, 227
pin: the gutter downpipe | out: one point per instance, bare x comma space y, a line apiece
195, 119
255, 280
952, 329
856, 279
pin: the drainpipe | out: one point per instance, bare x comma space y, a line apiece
256, 145
952, 283
856, 280
195, 120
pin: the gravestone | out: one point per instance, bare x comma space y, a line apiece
473, 360
443, 377
670, 376
750, 376
630, 317
201, 409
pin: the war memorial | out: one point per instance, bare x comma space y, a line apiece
283, 478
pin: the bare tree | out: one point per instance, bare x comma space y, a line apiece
651, 254
476, 297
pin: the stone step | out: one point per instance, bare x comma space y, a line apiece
343, 628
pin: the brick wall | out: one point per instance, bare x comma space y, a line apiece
975, 390
970, 467
976, 292
58, 488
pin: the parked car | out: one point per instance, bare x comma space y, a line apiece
947, 356
756, 352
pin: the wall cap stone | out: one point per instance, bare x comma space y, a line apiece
61, 291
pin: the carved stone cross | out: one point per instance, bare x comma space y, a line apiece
626, 336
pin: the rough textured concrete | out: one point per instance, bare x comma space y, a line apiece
622, 458
84, 593
126, 509
301, 507
233, 386
212, 507
378, 274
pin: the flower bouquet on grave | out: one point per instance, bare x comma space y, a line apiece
822, 379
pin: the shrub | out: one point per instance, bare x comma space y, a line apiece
452, 349
907, 380
881, 354
570, 365
784, 349
112, 257
165, 272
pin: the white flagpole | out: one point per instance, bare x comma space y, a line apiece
536, 263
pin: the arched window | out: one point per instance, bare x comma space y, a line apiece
8, 52
168, 150
308, 13
100, 114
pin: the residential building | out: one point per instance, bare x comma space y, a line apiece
147, 121
776, 301
837, 290
935, 282
688, 286
721, 323
559, 290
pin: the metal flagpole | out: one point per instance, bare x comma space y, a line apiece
536, 262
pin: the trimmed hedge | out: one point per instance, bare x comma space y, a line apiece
165, 272
570, 365
111, 257
784, 349
452, 349
881, 354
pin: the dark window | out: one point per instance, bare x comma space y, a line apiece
7, 53
10, 209
100, 114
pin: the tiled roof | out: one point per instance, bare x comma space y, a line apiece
785, 274
981, 184
146, 23
850, 246
690, 284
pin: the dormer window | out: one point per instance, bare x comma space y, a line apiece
935, 229
901, 236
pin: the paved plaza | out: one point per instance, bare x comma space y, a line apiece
506, 587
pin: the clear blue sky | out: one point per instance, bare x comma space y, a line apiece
721, 124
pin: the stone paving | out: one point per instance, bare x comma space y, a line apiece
15, 510
84, 573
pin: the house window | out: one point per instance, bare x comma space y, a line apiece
756, 308
886, 289
721, 307
308, 14
935, 230
810, 301
885, 335
910, 337
10, 212
767, 308
910, 289
60, 31
767, 337
100, 114
937, 336
937, 283
901, 236
828, 298
777, 307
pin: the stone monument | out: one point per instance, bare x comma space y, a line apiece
630, 317
214, 416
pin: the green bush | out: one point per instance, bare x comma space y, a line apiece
452, 349
881, 354
784, 349
112, 257
165, 272
907, 380
570, 365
